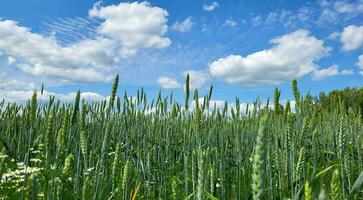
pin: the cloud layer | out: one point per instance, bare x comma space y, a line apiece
25, 95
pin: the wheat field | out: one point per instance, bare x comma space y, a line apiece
136, 148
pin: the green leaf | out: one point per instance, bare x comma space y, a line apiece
210, 196
190, 196
358, 183
322, 172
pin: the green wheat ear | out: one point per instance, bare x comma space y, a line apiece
76, 108
33, 107
122, 186
48, 135
116, 162
187, 88
287, 110
60, 138
67, 175
276, 100
308, 191
114, 90
42, 89
174, 185
335, 186
296, 91
118, 103
83, 136
68, 166
200, 181
258, 161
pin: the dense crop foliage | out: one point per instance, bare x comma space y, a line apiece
130, 148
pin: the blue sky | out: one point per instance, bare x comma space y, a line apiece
243, 48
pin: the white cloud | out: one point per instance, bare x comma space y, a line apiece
11, 84
327, 15
360, 64
352, 37
45, 55
197, 78
343, 7
334, 35
168, 83
334, 12
330, 71
183, 26
230, 22
69, 30
135, 25
347, 7
323, 3
210, 7
220, 104
287, 18
66, 75
304, 14
321, 13
292, 56
347, 72
213, 103
126, 29
24, 95
10, 60
20, 91
271, 18
256, 21
323, 73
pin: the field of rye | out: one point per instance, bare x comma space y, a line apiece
136, 148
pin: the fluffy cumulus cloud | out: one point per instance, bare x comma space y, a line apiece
183, 26
292, 56
197, 78
168, 83
46, 55
126, 28
210, 7
135, 25
352, 37
330, 71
